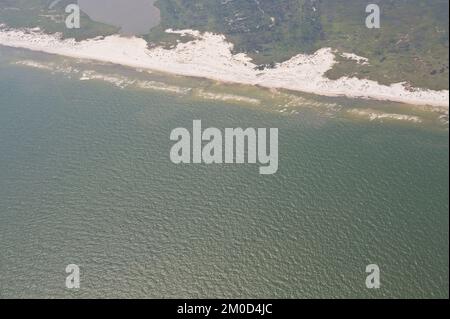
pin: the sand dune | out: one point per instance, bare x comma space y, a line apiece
210, 56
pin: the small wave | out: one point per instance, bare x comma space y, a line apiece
159, 86
292, 103
444, 119
54, 68
227, 97
117, 80
372, 115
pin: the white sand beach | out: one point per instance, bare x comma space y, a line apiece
210, 56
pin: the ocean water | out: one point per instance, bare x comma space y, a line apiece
85, 178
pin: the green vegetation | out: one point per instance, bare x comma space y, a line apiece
412, 44
269, 31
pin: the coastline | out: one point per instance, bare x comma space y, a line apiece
210, 56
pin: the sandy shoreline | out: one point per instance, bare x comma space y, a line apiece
210, 56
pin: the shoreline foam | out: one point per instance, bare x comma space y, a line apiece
210, 56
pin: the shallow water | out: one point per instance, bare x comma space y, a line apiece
85, 178
132, 16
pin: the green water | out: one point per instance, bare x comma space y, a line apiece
85, 178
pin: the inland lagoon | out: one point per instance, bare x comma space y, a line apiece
131, 16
